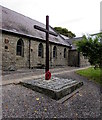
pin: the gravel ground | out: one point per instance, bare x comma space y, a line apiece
86, 103
21, 102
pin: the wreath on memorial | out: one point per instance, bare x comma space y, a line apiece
47, 75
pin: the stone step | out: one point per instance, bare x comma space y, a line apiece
56, 88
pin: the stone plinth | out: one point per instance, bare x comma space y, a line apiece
56, 88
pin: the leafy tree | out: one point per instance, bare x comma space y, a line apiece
91, 47
65, 32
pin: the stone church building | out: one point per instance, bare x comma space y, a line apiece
24, 47
75, 58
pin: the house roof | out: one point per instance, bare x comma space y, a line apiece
20, 24
65, 37
71, 41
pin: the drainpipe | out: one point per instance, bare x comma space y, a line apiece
69, 58
29, 53
78, 59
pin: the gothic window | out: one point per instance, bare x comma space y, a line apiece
20, 48
64, 52
40, 50
54, 52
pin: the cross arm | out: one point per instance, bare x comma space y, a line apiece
44, 30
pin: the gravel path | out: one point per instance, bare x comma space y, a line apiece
86, 103
21, 102
8, 75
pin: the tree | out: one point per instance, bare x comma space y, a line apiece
91, 47
65, 32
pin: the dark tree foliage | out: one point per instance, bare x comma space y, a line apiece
91, 47
65, 32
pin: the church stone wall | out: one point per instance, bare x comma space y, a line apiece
35, 60
8, 54
59, 60
83, 61
22, 62
38, 61
9, 58
73, 58
11, 61
77, 60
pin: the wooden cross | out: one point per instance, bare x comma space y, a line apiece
47, 41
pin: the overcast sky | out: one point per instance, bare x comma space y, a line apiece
78, 16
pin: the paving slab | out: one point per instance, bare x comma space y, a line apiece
56, 88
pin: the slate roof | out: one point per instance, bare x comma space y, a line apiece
65, 37
72, 40
20, 24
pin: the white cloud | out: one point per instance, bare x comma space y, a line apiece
79, 16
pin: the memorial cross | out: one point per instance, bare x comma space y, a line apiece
47, 73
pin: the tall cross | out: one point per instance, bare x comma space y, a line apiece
47, 73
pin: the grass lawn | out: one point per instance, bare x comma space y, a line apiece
92, 74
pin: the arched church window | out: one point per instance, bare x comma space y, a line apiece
40, 50
20, 48
54, 52
64, 52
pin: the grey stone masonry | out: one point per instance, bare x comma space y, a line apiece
55, 88
12, 61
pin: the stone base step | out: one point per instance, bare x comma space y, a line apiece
56, 88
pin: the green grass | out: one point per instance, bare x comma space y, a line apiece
92, 74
